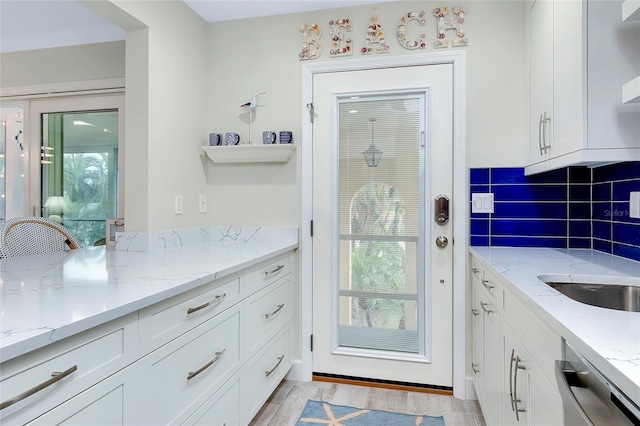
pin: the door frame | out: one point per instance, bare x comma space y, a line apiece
462, 388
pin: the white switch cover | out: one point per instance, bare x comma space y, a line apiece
634, 205
202, 203
482, 202
178, 204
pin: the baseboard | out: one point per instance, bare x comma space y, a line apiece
470, 390
295, 373
385, 384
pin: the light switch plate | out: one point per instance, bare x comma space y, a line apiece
634, 205
482, 202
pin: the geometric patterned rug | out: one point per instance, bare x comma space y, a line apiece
323, 413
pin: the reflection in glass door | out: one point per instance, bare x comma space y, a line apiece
79, 175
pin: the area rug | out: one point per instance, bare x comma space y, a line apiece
323, 413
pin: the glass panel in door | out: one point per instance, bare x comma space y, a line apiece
79, 159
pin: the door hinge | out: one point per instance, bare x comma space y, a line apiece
311, 226
312, 343
311, 111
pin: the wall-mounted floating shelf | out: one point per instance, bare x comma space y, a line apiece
276, 153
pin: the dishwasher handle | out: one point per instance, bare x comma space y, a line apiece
566, 377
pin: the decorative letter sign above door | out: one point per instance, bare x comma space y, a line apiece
375, 35
311, 46
340, 44
402, 30
450, 21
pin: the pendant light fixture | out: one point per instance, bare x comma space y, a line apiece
372, 154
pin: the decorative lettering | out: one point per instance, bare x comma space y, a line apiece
340, 46
450, 21
311, 46
402, 28
375, 36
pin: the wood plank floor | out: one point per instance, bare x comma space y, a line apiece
286, 403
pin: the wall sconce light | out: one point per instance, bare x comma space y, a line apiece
372, 154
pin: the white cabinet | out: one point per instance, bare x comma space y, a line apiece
578, 61
512, 355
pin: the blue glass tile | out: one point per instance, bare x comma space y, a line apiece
579, 175
601, 211
478, 189
626, 233
479, 227
584, 243
503, 175
602, 245
579, 193
620, 213
579, 211
520, 210
601, 192
579, 228
628, 170
601, 230
554, 228
553, 176
621, 190
530, 192
629, 252
529, 242
478, 176
476, 240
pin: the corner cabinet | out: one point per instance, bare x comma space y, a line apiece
513, 355
579, 56
211, 355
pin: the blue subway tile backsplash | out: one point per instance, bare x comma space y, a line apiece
574, 207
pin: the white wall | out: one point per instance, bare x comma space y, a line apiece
261, 54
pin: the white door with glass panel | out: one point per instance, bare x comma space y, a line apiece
382, 244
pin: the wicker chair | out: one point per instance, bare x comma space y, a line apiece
22, 236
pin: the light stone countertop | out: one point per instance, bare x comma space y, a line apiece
609, 339
46, 298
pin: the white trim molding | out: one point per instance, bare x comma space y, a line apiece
87, 87
459, 211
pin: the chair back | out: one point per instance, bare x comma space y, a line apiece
26, 235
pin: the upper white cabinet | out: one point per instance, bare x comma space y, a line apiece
580, 55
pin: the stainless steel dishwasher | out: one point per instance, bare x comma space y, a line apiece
588, 397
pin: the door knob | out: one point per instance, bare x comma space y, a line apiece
442, 241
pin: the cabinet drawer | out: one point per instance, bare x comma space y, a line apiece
266, 273
493, 288
547, 344
185, 372
223, 408
266, 312
169, 319
263, 373
87, 357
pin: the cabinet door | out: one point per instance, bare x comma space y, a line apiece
111, 402
493, 362
477, 360
569, 43
540, 25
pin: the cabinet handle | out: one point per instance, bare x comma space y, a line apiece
515, 389
270, 314
193, 374
486, 285
473, 367
216, 299
268, 373
475, 312
510, 378
484, 308
545, 121
475, 270
540, 134
273, 271
55, 377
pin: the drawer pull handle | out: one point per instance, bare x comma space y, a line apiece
193, 374
484, 308
270, 314
475, 312
273, 271
475, 270
485, 283
55, 377
216, 299
516, 400
268, 373
473, 367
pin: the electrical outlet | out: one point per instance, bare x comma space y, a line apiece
178, 205
202, 203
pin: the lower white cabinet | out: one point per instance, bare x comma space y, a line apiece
512, 374
223, 408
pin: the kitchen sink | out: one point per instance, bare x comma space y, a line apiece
610, 296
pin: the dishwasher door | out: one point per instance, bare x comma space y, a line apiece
588, 397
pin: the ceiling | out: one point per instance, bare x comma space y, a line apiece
39, 24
